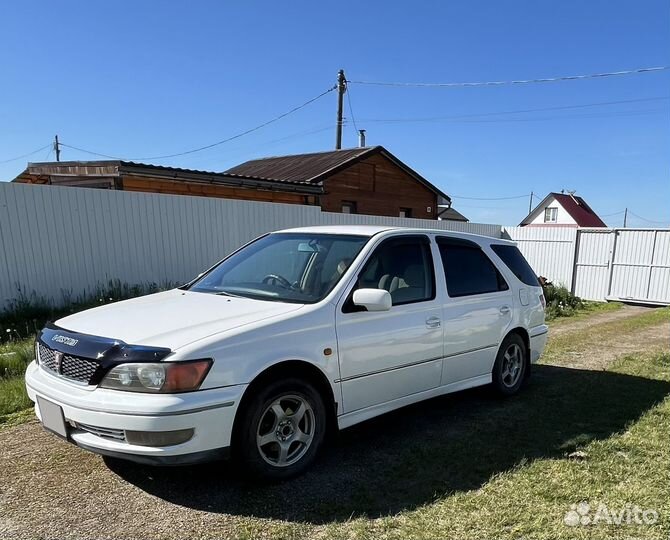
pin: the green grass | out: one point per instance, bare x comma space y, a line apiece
588, 309
582, 310
14, 357
623, 460
563, 345
13, 397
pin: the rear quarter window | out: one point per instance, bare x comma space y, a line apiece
516, 262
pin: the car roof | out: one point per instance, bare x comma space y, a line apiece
372, 230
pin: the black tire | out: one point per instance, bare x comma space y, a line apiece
504, 382
259, 420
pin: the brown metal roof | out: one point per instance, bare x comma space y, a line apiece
317, 167
300, 167
299, 173
115, 168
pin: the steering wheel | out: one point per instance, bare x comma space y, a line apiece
276, 279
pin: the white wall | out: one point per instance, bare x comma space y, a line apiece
562, 216
60, 241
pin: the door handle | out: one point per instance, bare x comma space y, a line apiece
433, 322
505, 310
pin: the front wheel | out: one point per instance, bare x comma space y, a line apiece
510, 366
282, 428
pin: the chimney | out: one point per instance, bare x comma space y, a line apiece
361, 138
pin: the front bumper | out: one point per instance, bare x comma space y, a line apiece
210, 413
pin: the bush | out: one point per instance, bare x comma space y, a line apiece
560, 301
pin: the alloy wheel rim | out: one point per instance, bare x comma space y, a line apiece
285, 430
512, 365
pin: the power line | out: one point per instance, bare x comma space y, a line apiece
351, 111
647, 220
518, 111
616, 114
516, 82
199, 149
26, 155
490, 198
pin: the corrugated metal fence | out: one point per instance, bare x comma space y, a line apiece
60, 242
63, 242
549, 250
601, 264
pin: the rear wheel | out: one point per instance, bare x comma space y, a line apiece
510, 367
282, 429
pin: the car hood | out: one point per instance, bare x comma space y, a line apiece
173, 318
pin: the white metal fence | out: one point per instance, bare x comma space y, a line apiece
57, 242
549, 250
601, 264
60, 242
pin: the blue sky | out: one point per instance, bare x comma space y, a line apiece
135, 79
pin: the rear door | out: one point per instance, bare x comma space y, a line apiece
387, 355
476, 312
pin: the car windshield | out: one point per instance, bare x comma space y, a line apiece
284, 267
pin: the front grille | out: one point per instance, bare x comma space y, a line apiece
105, 433
71, 367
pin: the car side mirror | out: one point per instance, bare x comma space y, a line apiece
373, 299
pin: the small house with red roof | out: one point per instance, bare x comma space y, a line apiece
562, 210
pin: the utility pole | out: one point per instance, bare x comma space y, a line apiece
530, 203
341, 89
57, 148
625, 217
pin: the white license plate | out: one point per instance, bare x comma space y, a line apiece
52, 417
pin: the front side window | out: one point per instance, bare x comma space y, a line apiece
284, 267
468, 270
550, 215
404, 267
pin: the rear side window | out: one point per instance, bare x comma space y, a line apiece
513, 259
468, 270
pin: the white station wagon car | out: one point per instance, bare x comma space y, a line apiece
295, 333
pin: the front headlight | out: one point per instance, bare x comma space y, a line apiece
163, 377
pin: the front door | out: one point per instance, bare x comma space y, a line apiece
391, 354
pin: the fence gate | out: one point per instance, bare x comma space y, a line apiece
592, 263
640, 266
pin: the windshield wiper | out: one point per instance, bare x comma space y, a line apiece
226, 293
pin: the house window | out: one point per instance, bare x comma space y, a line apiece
405, 212
550, 215
349, 207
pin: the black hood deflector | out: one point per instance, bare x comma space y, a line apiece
107, 351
